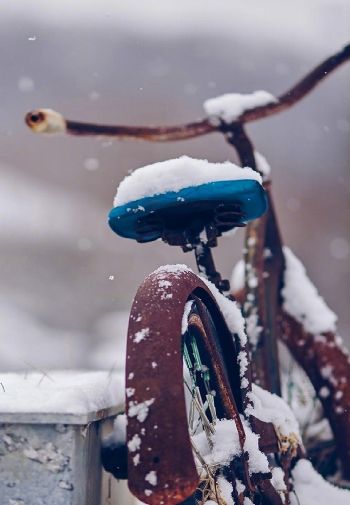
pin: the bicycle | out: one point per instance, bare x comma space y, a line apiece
197, 323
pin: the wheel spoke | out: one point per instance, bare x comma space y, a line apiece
201, 405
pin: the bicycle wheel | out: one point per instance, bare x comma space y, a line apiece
161, 463
180, 346
206, 407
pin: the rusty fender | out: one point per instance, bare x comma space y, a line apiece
161, 466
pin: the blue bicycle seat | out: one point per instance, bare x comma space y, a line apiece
227, 204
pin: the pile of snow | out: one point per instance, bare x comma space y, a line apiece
230, 311
225, 490
301, 298
176, 174
312, 489
270, 408
231, 106
300, 395
226, 447
60, 392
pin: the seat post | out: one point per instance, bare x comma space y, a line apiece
206, 266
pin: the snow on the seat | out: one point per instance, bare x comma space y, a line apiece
176, 174
230, 106
312, 489
60, 392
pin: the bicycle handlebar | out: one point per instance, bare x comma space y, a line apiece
49, 121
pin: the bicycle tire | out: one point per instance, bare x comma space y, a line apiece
161, 464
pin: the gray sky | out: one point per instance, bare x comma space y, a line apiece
143, 62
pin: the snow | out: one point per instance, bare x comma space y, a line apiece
187, 310
243, 363
271, 408
301, 298
262, 164
278, 481
298, 391
140, 410
240, 486
129, 392
135, 443
237, 276
164, 284
26, 84
230, 106
312, 489
172, 269
136, 459
324, 392
253, 329
91, 164
258, 462
118, 435
230, 311
48, 455
141, 335
151, 477
176, 174
225, 441
225, 488
226, 446
60, 392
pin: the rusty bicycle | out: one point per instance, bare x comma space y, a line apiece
206, 423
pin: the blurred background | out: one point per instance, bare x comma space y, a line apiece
66, 281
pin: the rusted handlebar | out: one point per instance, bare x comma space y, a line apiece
49, 121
